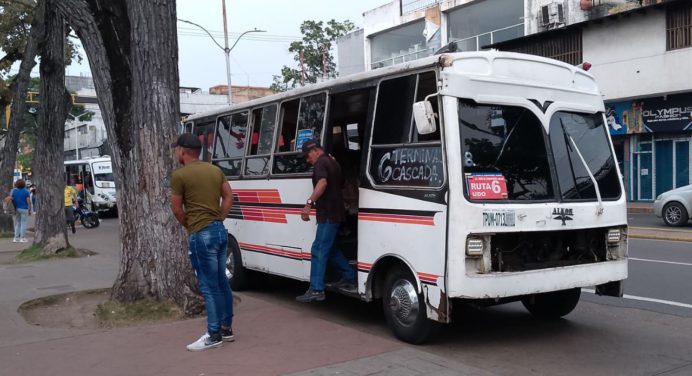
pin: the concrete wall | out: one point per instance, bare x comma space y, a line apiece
350, 53
629, 57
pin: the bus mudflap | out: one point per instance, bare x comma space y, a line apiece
437, 304
615, 288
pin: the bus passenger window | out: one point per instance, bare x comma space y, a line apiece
310, 119
263, 130
427, 84
289, 121
394, 114
229, 145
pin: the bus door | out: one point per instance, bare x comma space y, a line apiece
348, 116
402, 200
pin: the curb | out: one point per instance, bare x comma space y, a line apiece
658, 237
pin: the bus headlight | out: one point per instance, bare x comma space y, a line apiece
616, 241
613, 236
474, 246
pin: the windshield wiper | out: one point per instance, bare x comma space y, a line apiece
588, 170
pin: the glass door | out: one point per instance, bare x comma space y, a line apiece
643, 163
682, 163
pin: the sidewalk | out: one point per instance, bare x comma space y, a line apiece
271, 339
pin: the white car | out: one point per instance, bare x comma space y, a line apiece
674, 206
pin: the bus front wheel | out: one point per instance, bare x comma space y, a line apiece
552, 305
404, 308
238, 276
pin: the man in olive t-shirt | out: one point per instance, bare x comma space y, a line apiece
201, 198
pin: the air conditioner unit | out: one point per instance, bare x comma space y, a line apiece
552, 15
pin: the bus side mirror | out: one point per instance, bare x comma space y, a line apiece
424, 116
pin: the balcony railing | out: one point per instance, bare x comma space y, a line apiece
476, 42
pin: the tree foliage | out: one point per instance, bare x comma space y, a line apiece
15, 24
318, 38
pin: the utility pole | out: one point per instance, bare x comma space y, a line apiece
227, 51
302, 69
324, 61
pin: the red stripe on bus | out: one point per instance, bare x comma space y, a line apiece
275, 251
424, 221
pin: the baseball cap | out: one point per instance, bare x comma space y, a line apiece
309, 145
188, 140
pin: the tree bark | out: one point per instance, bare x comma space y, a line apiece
133, 53
51, 231
8, 155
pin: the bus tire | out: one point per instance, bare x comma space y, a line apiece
404, 309
238, 276
552, 305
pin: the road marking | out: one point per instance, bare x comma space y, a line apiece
661, 262
645, 299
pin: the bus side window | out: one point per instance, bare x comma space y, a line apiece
289, 122
394, 113
264, 122
88, 181
427, 84
310, 119
205, 132
229, 145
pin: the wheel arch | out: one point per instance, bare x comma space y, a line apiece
374, 285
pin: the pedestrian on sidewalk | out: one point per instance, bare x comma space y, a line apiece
22, 203
70, 199
328, 201
201, 198
32, 191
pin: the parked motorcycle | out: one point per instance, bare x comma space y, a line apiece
88, 218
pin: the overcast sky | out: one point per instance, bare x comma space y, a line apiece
257, 56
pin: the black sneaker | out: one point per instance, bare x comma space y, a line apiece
206, 341
227, 335
311, 296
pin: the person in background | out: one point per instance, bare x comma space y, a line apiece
22, 202
70, 199
32, 191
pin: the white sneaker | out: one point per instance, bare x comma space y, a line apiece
205, 342
23, 240
15, 240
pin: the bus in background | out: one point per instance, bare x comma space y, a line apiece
470, 178
93, 177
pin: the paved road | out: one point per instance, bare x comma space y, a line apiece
651, 221
603, 336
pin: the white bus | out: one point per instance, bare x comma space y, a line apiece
95, 177
504, 188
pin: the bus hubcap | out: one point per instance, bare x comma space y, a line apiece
229, 266
403, 302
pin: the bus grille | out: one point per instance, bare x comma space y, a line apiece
514, 252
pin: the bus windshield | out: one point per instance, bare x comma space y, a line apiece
503, 148
103, 174
572, 134
506, 155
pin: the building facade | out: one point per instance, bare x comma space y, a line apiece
640, 53
406, 30
88, 138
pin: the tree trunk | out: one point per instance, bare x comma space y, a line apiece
19, 87
133, 52
51, 231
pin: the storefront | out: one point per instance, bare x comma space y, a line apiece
652, 139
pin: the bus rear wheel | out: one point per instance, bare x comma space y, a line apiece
238, 276
404, 308
552, 305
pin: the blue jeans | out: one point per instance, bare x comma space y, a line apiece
20, 220
208, 257
323, 252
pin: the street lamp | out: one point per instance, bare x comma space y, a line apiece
226, 50
76, 118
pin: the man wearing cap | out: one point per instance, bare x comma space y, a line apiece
197, 188
327, 199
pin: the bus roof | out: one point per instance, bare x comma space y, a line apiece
443, 60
